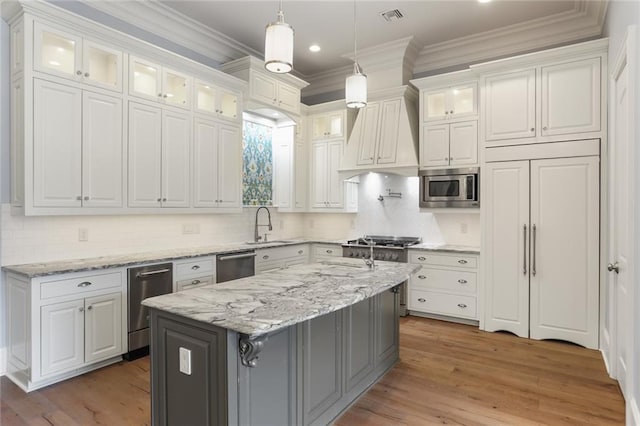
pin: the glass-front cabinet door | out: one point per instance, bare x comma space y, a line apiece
435, 105
450, 103
216, 101
176, 88
102, 66
462, 100
228, 104
327, 126
205, 94
144, 79
57, 52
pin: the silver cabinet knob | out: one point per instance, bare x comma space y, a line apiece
81, 309
159, 199
159, 95
79, 198
78, 72
446, 112
86, 198
300, 251
462, 305
164, 199
544, 128
164, 96
533, 129
422, 300
613, 267
451, 112
86, 74
90, 307
422, 277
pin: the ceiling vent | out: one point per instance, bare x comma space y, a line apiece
392, 15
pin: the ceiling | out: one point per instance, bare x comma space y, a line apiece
330, 23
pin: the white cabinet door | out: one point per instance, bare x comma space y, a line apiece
205, 163
564, 250
327, 126
101, 66
103, 327
263, 88
145, 79
283, 167
176, 88
435, 147
301, 165
570, 101
57, 52
506, 199
62, 336
319, 156
390, 124
57, 145
335, 186
176, 140
288, 98
434, 105
463, 143
101, 150
510, 105
145, 151
369, 134
229, 167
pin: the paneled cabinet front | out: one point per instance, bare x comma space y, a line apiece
77, 147
327, 189
378, 140
453, 144
159, 142
158, 83
271, 91
216, 164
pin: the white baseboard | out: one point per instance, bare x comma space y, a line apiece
633, 413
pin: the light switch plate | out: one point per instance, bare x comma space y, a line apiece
185, 361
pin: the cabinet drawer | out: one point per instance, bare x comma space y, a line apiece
449, 280
194, 282
443, 303
279, 253
82, 284
327, 250
427, 258
200, 267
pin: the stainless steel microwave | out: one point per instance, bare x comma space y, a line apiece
450, 188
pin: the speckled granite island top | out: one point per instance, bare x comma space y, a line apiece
268, 302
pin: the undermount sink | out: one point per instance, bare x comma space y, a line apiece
269, 242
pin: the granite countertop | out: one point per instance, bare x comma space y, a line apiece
32, 270
446, 248
271, 301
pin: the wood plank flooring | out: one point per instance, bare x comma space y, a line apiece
448, 374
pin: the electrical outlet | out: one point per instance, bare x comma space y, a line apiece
185, 361
83, 234
191, 228
464, 228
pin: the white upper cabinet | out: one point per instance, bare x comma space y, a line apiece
463, 143
67, 55
510, 105
176, 142
542, 97
155, 82
327, 126
216, 101
434, 152
379, 134
570, 97
449, 103
271, 91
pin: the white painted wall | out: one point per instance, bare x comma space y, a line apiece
621, 14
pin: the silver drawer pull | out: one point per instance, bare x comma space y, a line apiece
329, 251
195, 267
158, 271
265, 257
422, 277
462, 262
194, 282
84, 284
422, 258
462, 305
462, 281
422, 300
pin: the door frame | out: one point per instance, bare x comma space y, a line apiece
626, 57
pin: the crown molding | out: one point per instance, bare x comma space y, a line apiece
583, 21
160, 20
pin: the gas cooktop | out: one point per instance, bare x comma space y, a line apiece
384, 241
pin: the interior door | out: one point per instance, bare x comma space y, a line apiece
506, 198
621, 208
565, 235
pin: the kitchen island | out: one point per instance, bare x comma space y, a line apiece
288, 347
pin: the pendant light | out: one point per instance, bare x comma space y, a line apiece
278, 45
356, 84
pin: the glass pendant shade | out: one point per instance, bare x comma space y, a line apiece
356, 88
278, 46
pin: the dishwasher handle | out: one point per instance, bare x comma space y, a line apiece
157, 271
237, 256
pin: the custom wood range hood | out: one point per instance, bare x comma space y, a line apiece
385, 133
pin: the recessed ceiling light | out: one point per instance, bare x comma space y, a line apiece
314, 48
484, 1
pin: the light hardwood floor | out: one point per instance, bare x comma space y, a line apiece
448, 374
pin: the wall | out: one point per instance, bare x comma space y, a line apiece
621, 14
5, 136
397, 216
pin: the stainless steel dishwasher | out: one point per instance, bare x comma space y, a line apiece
144, 282
231, 266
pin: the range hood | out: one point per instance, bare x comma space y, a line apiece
385, 134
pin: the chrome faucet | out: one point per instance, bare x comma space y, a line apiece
370, 262
256, 235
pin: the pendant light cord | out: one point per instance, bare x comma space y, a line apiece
355, 32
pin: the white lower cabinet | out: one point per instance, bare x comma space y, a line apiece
270, 259
193, 273
542, 244
321, 252
64, 325
80, 331
445, 285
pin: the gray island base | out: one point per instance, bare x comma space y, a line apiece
288, 347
